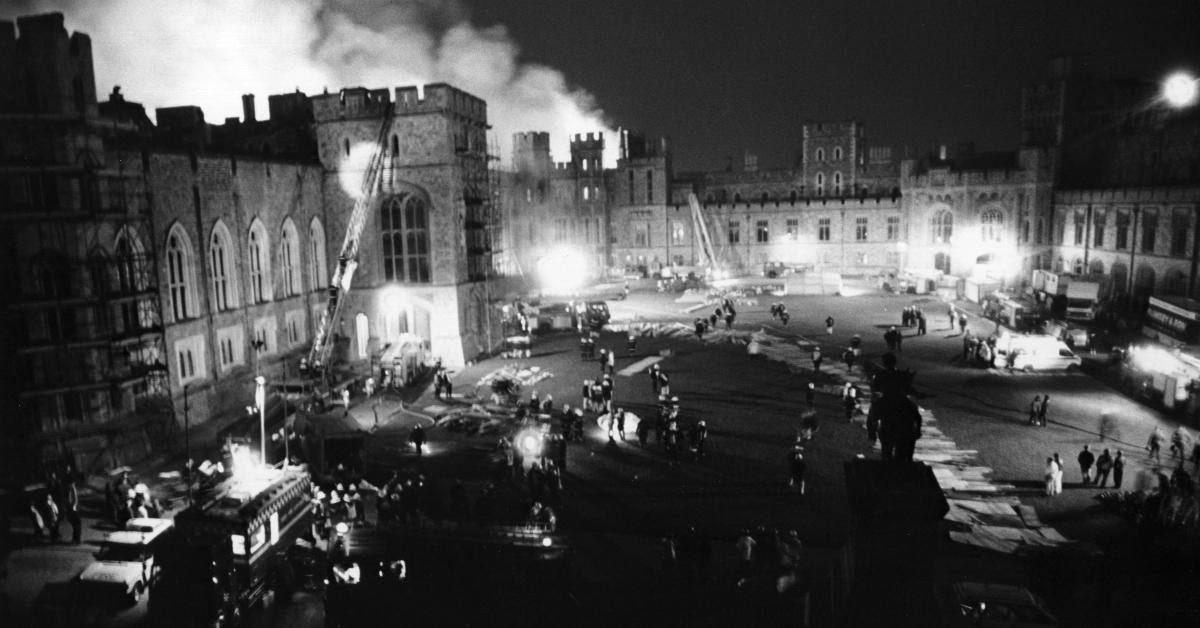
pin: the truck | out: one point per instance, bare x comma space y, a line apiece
231, 549
1166, 377
1085, 294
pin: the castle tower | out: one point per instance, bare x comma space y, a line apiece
424, 255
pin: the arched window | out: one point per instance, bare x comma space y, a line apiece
941, 227
1077, 266
837, 183
316, 255
991, 225
820, 187
180, 281
405, 232
820, 155
259, 263
586, 193
130, 261
395, 145
837, 153
289, 258
220, 268
792, 196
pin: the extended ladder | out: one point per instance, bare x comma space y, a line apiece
322, 346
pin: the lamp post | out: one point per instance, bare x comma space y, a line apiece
260, 398
187, 445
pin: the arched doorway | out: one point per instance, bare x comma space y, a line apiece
1120, 275
1143, 283
941, 261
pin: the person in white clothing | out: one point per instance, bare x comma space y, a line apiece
1050, 473
1058, 474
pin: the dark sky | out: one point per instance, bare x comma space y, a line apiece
720, 78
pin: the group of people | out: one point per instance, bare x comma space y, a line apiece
779, 312
127, 500
912, 316
59, 502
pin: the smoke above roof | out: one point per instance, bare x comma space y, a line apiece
209, 52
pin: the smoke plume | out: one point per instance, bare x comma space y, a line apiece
208, 52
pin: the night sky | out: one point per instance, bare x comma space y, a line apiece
724, 77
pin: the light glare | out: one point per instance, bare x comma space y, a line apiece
1179, 90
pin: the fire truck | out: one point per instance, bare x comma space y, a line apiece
231, 549
1163, 376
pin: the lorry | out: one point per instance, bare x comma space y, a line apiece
125, 562
231, 549
1085, 294
1166, 377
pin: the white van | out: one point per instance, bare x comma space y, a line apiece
126, 560
1036, 353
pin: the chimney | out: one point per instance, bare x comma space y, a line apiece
248, 108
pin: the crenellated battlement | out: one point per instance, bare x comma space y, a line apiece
359, 102
592, 141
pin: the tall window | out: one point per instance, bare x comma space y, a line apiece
1080, 223
820, 154
260, 263
316, 255
179, 273
1122, 228
631, 187
893, 227
761, 233
649, 186
860, 229
289, 257
641, 234
1099, 218
837, 184
941, 227
1180, 222
677, 233
837, 153
735, 231
823, 229
991, 225
1149, 229
793, 229
405, 223
220, 268
820, 184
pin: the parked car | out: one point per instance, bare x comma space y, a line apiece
125, 561
986, 605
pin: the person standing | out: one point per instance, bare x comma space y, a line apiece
921, 328
51, 515
1042, 410
810, 395
889, 338
1154, 445
1049, 475
962, 322
621, 423
654, 382
699, 438
1058, 474
797, 466
745, 545
899, 341
829, 325
610, 362
1086, 459
952, 316
817, 359
1179, 443
664, 382
70, 509
417, 438
1104, 464
1035, 407
1118, 469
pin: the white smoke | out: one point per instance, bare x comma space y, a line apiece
209, 52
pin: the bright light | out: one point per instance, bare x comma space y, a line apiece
1156, 360
342, 528
1179, 90
530, 444
562, 271
546, 542
243, 460
353, 167
392, 301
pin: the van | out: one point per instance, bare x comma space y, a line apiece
125, 561
1036, 353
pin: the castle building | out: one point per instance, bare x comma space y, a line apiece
158, 269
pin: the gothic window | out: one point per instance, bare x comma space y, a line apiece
289, 257
762, 233
1180, 225
405, 232
317, 267
991, 224
259, 263
1099, 220
837, 184
823, 229
649, 186
180, 281
1149, 229
735, 231
893, 227
837, 153
1080, 225
220, 268
820, 184
941, 227
820, 156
